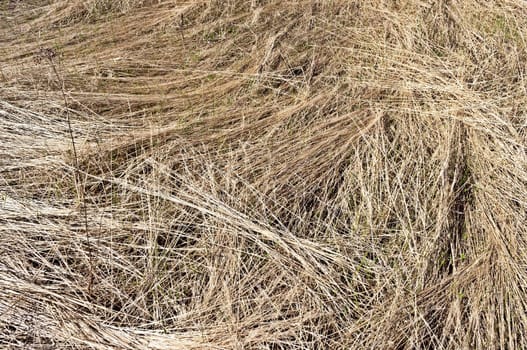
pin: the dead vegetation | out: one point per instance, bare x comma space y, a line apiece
263, 174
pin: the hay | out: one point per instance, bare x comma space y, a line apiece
263, 175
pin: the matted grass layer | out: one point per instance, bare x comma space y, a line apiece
263, 174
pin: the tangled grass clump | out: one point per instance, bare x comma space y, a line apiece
263, 174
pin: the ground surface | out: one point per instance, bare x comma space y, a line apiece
263, 174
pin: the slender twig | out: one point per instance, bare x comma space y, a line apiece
50, 55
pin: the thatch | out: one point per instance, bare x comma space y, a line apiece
263, 174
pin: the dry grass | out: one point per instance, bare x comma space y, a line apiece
263, 174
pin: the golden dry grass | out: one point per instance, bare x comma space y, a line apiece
263, 174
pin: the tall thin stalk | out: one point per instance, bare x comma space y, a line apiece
50, 56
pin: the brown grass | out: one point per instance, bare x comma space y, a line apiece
263, 174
